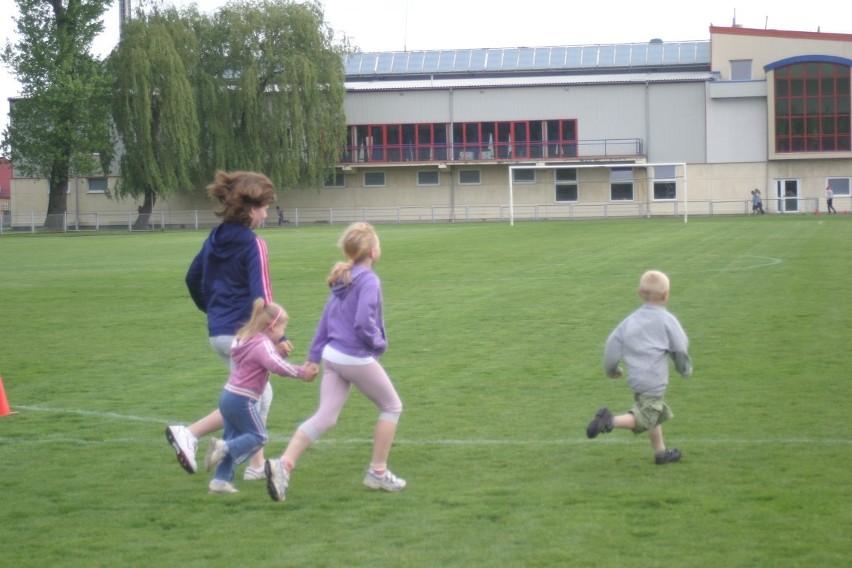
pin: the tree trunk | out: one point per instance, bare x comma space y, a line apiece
143, 221
57, 203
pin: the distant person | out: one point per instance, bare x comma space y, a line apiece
829, 199
255, 355
224, 278
348, 340
280, 216
756, 203
646, 340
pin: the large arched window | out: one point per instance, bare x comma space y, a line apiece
812, 105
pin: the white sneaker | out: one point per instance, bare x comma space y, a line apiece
277, 479
185, 445
252, 474
386, 482
216, 450
219, 486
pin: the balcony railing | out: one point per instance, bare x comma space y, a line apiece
493, 151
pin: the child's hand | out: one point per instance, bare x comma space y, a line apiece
615, 374
285, 348
311, 370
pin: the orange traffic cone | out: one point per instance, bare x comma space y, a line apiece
4, 404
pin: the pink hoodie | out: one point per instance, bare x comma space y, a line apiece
255, 358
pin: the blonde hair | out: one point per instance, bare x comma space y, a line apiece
263, 316
356, 242
653, 286
239, 193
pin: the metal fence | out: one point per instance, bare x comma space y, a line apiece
32, 223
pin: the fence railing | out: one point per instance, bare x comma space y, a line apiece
32, 223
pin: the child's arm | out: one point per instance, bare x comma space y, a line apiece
678, 346
612, 355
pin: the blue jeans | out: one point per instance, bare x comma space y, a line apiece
244, 432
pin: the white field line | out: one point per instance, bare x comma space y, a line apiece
573, 441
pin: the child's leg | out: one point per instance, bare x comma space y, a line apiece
265, 403
244, 434
210, 423
373, 381
627, 421
655, 434
334, 390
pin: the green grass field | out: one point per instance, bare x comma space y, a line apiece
496, 341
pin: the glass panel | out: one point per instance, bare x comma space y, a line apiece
638, 55
415, 61
566, 174
557, 57
447, 61
525, 58
462, 61
542, 57
384, 63
606, 56
430, 61
494, 59
590, 56
622, 55
664, 172
477, 60
573, 57
400, 62
566, 192
510, 59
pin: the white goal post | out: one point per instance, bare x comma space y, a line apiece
681, 175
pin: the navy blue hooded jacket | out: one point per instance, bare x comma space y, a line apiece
229, 273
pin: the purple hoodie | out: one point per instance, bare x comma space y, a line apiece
255, 358
352, 321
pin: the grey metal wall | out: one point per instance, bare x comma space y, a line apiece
669, 118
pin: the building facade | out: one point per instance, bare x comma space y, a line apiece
657, 128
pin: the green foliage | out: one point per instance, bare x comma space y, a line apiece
64, 119
154, 105
255, 86
496, 342
270, 92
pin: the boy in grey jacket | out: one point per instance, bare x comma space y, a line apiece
645, 340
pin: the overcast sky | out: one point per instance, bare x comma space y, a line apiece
397, 25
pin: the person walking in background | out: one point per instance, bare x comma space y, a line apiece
255, 355
645, 340
224, 278
756, 203
280, 215
348, 340
829, 199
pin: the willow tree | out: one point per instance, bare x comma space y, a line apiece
270, 92
154, 107
60, 126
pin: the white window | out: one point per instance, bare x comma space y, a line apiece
741, 70
428, 177
566, 185
621, 184
525, 175
374, 179
335, 180
665, 183
469, 177
97, 185
840, 186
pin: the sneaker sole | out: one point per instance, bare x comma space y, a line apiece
270, 484
181, 458
370, 484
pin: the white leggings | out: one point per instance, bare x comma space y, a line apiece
221, 344
337, 380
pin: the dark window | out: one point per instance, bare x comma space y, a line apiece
812, 108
